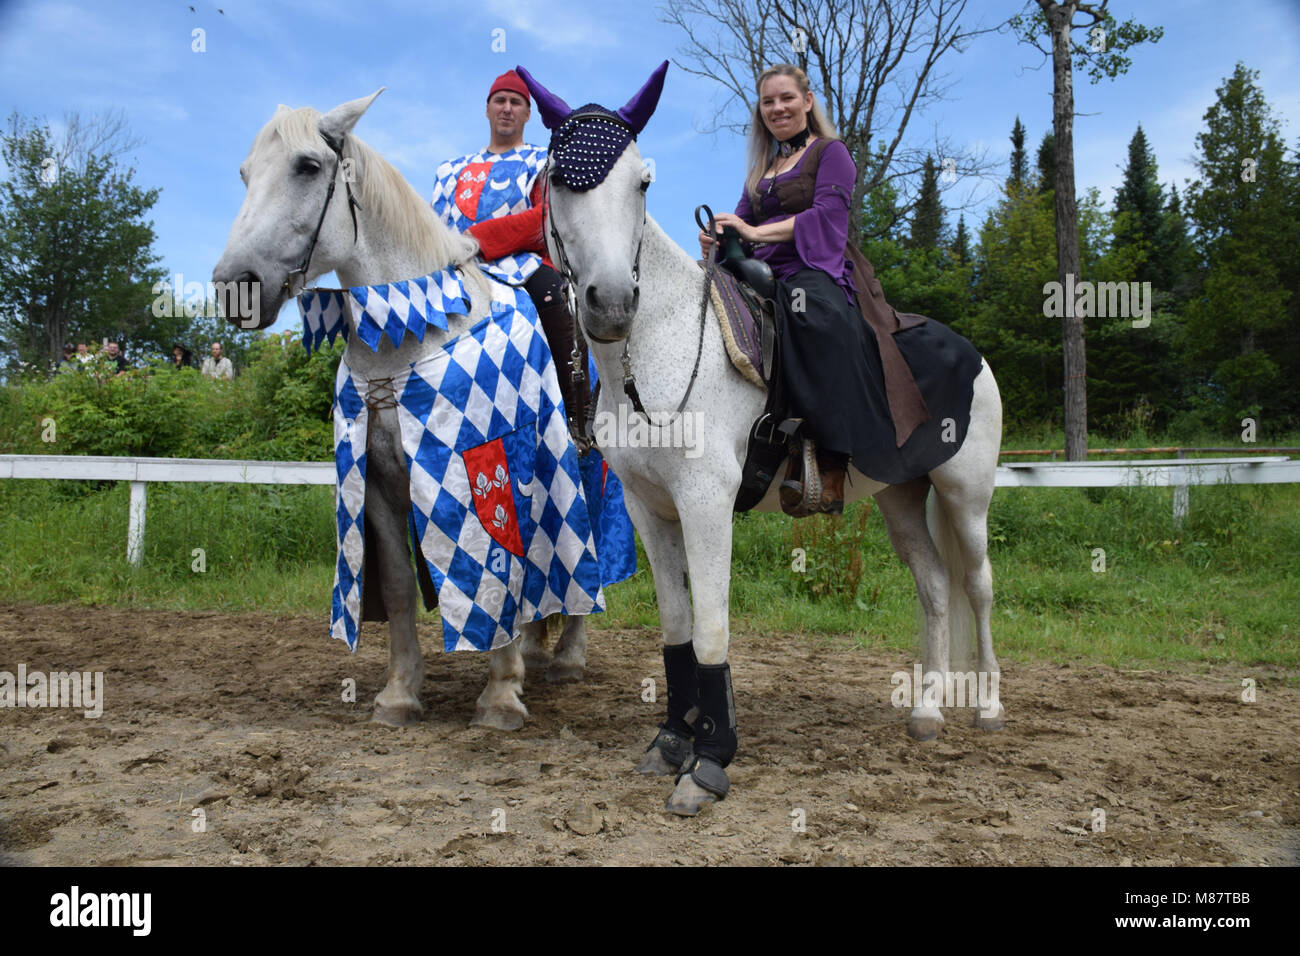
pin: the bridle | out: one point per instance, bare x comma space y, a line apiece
565, 269
561, 256
337, 148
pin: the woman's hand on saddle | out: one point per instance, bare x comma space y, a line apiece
747, 232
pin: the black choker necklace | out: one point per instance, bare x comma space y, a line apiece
796, 141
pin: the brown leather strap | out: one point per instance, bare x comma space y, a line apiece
906, 405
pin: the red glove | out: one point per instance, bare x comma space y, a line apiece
521, 232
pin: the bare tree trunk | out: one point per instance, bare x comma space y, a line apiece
1059, 17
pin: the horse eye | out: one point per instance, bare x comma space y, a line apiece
306, 166
645, 185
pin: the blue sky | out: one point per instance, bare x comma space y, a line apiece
199, 111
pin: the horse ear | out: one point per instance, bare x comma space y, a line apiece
553, 109
339, 121
641, 107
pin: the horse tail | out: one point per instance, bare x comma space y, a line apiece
962, 651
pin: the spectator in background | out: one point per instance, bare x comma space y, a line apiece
83, 353
217, 367
182, 357
114, 353
68, 363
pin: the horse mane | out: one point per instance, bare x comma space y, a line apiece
383, 193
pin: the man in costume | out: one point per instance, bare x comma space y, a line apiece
495, 196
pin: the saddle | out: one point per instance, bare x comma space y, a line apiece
743, 292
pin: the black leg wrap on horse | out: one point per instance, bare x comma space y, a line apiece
683, 693
715, 729
708, 773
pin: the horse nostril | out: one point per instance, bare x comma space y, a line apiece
593, 300
636, 298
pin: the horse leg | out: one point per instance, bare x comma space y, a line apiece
532, 645
499, 706
662, 538
570, 659
903, 508
965, 505
706, 531
398, 704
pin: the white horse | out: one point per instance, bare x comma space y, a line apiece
681, 504
291, 172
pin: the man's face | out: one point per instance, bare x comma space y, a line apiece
112, 350
507, 113
216, 351
81, 348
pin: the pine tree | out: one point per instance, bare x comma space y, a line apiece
927, 217
961, 245
1243, 206
1047, 163
1175, 259
1139, 209
1019, 167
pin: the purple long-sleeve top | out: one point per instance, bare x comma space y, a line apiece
820, 231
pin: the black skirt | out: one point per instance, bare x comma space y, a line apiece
833, 379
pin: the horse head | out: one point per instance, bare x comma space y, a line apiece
297, 221
596, 184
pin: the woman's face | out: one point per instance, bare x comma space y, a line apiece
783, 107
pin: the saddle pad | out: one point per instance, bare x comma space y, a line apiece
739, 327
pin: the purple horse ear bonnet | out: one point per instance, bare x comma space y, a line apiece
587, 142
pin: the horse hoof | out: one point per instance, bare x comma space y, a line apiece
689, 798
924, 728
653, 762
402, 716
991, 723
564, 673
498, 719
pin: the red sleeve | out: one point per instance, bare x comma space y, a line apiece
521, 232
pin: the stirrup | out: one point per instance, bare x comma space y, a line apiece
801, 498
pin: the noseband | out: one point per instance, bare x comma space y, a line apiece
337, 148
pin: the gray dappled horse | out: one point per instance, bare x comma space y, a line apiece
639, 299
288, 233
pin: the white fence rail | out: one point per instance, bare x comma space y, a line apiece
1180, 473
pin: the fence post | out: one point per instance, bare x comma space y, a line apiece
135, 525
1181, 499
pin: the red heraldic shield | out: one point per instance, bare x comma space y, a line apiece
469, 186
494, 498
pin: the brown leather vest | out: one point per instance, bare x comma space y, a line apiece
906, 405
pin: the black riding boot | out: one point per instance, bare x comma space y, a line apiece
558, 326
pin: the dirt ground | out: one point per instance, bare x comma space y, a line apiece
242, 717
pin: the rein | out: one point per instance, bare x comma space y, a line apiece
353, 206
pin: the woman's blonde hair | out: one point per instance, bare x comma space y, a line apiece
762, 144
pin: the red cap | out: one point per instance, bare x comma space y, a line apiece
510, 81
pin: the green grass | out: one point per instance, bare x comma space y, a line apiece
1222, 588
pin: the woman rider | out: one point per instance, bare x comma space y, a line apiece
854, 396
823, 326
